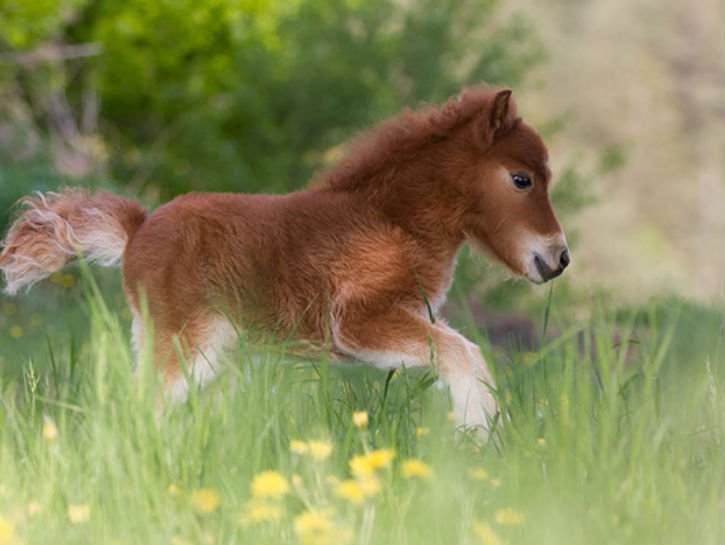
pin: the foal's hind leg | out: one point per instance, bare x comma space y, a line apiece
202, 346
190, 358
400, 337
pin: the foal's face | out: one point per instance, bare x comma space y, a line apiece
509, 212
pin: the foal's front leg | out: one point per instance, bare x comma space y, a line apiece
402, 337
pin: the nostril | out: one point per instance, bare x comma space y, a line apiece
564, 260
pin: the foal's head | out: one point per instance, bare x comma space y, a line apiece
505, 183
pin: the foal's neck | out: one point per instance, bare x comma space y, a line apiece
414, 196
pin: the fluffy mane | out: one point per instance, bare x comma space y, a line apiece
401, 137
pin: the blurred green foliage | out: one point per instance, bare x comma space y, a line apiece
27, 24
249, 95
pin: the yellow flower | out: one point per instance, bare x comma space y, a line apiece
381, 457
62, 279
7, 529
369, 485
478, 473
509, 516
320, 450
16, 332
50, 432
67, 281
495, 483
366, 464
315, 527
360, 419
357, 490
541, 442
204, 500
298, 447
486, 534
261, 511
415, 468
350, 490
422, 432
173, 490
269, 484
78, 514
296, 480
451, 416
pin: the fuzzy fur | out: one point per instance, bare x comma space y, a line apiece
55, 228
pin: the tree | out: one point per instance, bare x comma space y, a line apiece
248, 95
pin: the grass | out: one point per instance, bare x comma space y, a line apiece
615, 434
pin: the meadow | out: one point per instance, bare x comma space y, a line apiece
613, 426
613, 433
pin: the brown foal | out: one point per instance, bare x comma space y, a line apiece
358, 263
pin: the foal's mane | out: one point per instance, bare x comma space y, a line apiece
401, 137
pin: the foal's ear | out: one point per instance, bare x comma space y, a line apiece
503, 110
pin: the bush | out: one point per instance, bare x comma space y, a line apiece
248, 96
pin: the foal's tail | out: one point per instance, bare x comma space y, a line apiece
55, 228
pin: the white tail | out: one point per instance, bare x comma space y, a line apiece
55, 228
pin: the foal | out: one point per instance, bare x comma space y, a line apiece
359, 263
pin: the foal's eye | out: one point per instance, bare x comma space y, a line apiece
521, 180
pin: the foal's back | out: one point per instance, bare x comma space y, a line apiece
270, 262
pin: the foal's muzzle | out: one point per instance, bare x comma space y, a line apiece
547, 272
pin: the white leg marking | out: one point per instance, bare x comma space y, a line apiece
137, 333
217, 337
473, 402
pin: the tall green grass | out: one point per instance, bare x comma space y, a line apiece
613, 433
